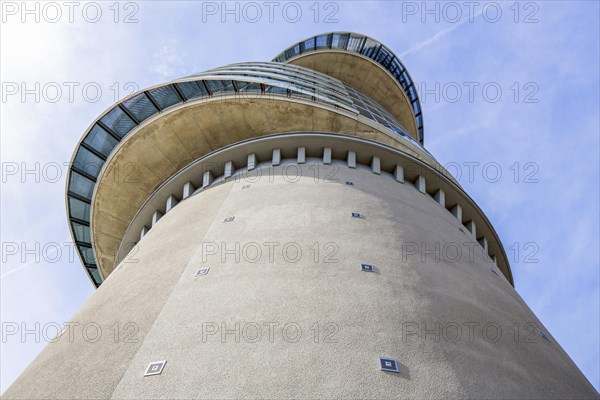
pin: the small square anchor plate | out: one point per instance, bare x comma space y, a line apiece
367, 268
155, 368
388, 364
202, 271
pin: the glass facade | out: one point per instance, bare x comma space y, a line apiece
365, 46
268, 79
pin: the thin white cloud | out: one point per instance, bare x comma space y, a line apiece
415, 48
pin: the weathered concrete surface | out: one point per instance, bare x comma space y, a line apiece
360, 315
314, 144
171, 141
134, 293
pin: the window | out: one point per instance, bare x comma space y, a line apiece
79, 209
322, 42
336, 42
276, 90
354, 43
81, 232
87, 254
192, 90
88, 162
141, 107
219, 86
412, 93
248, 87
165, 96
416, 107
81, 185
100, 140
294, 50
95, 274
370, 48
309, 44
118, 122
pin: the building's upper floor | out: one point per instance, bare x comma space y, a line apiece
354, 86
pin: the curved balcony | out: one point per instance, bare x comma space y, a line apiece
363, 46
269, 80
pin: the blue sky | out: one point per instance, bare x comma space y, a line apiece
543, 59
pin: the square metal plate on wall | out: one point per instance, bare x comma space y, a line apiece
367, 268
388, 364
155, 368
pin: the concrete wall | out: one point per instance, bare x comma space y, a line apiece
169, 141
361, 315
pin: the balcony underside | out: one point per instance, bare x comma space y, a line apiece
166, 143
365, 75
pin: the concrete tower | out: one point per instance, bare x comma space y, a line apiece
277, 230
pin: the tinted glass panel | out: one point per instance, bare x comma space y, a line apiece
81, 185
309, 44
385, 57
95, 275
370, 48
364, 112
354, 43
416, 107
395, 69
87, 254
82, 232
191, 90
404, 80
335, 42
275, 89
79, 209
140, 106
412, 93
228, 86
165, 96
322, 41
88, 162
249, 87
340, 41
100, 140
219, 86
118, 121
380, 119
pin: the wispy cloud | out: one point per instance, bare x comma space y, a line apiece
439, 35
167, 61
